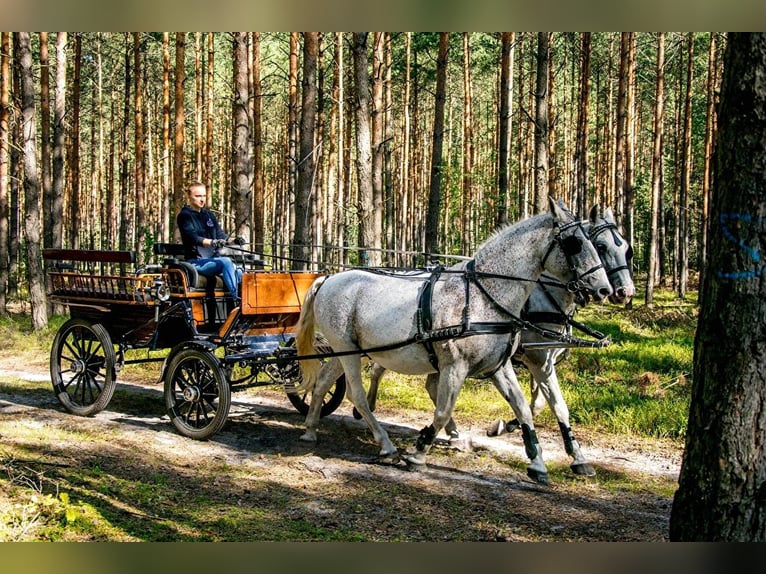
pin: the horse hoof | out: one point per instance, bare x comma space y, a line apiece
357, 414
453, 435
390, 458
538, 476
583, 469
416, 461
497, 428
309, 436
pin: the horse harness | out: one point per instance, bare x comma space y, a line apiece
426, 335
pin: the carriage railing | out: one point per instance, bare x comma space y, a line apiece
136, 290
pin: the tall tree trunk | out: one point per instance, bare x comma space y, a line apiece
292, 134
659, 117
542, 98
686, 169
437, 167
630, 141
74, 147
377, 118
710, 129
32, 221
721, 484
5, 111
468, 147
207, 177
142, 230
404, 180
59, 141
241, 170
306, 159
363, 151
504, 125
199, 108
168, 198
124, 154
258, 175
45, 140
581, 148
620, 144
179, 183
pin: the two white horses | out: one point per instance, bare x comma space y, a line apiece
461, 322
552, 307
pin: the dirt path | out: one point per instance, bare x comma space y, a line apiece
476, 489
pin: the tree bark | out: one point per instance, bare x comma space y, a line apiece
507, 40
721, 485
258, 176
686, 169
179, 183
241, 170
541, 123
74, 147
32, 221
306, 157
437, 168
5, 110
363, 151
659, 117
142, 230
581, 147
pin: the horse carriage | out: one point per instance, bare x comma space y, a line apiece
213, 347
309, 331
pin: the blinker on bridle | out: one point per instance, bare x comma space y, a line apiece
571, 246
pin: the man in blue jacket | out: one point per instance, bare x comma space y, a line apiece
202, 237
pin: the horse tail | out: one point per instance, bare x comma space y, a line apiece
304, 341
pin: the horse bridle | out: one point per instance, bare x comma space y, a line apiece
596, 230
570, 246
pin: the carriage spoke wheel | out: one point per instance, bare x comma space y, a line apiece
197, 393
330, 402
82, 367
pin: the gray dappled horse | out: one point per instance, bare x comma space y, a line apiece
552, 307
462, 321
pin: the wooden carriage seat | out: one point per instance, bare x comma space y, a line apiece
174, 259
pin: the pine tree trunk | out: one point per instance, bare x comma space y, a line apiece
363, 150
125, 154
504, 125
74, 147
541, 123
721, 485
437, 168
166, 218
686, 169
5, 105
32, 221
45, 140
659, 116
179, 183
710, 129
142, 228
241, 172
306, 157
581, 147
377, 120
468, 148
258, 181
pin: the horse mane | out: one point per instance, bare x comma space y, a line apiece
518, 226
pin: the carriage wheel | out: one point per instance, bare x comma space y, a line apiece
82, 367
197, 394
331, 401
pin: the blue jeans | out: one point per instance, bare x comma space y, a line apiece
223, 266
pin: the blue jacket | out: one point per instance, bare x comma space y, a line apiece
196, 226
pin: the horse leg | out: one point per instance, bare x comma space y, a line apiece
432, 384
328, 374
352, 365
549, 387
508, 385
448, 383
376, 374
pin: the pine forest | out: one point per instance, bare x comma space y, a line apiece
327, 150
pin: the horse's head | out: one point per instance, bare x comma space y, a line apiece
573, 258
615, 253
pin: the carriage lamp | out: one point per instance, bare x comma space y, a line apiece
159, 291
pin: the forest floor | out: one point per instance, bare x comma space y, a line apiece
255, 480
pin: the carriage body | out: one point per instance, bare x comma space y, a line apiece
209, 342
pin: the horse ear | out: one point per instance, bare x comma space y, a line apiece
594, 213
608, 215
558, 210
